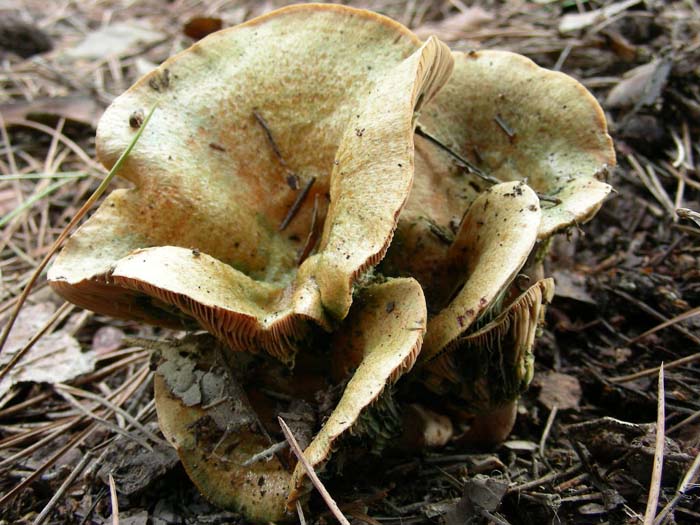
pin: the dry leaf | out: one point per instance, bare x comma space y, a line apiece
84, 110
107, 339
560, 390
113, 41
576, 21
481, 493
55, 358
641, 85
456, 26
571, 285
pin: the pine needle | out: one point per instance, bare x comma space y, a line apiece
67, 230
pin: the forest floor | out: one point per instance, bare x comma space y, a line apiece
628, 282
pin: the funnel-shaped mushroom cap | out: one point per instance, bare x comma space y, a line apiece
202, 413
381, 338
516, 121
310, 93
512, 120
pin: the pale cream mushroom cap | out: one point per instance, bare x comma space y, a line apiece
198, 236
512, 120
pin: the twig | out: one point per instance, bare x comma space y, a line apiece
655, 484
300, 513
312, 237
545, 479
112, 426
114, 500
570, 483
292, 178
265, 454
504, 127
26, 451
74, 441
297, 204
64, 486
270, 138
66, 231
682, 317
651, 371
684, 422
65, 308
548, 428
680, 492
332, 505
102, 401
461, 161
649, 310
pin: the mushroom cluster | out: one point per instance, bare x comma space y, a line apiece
335, 201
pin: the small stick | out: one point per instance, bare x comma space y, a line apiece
114, 500
297, 204
112, 426
312, 236
685, 483
265, 454
60, 387
300, 513
651, 371
461, 161
649, 310
505, 127
655, 484
681, 317
292, 178
692, 417
565, 485
548, 428
547, 198
270, 138
544, 479
73, 442
332, 505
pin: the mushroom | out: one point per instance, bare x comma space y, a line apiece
500, 118
322, 94
270, 183
203, 411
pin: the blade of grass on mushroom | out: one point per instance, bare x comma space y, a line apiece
66, 231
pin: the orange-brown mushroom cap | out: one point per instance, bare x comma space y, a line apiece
199, 235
